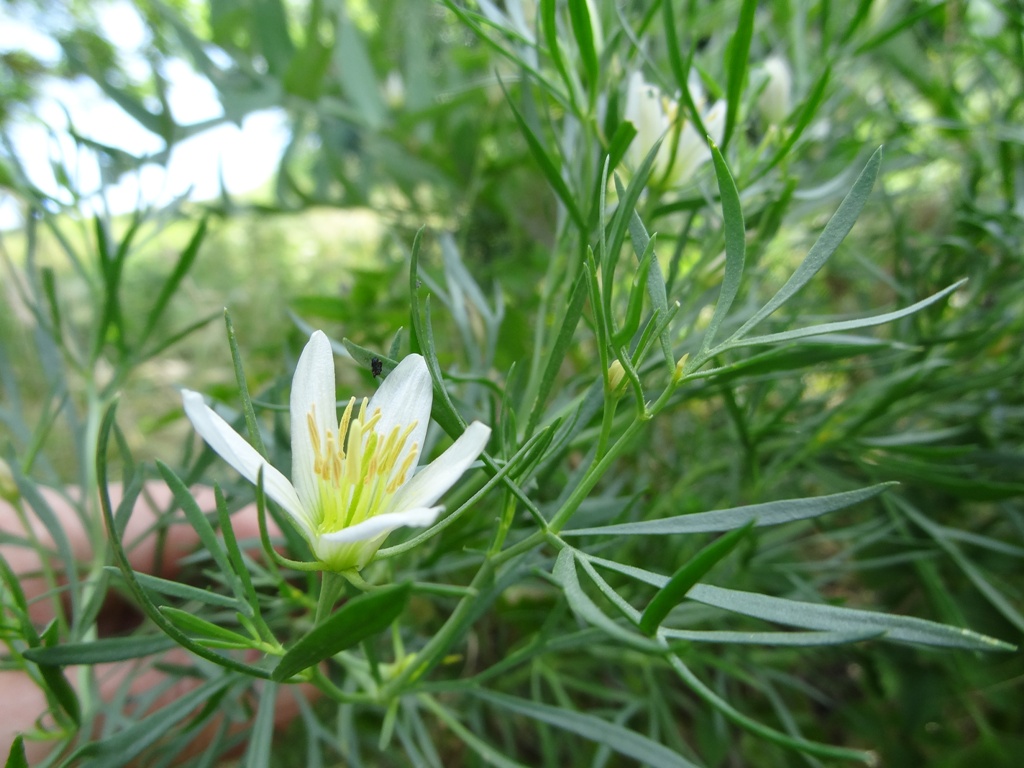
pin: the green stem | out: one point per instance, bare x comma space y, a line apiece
330, 589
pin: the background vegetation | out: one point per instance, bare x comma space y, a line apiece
501, 128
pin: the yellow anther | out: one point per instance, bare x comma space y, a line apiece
399, 479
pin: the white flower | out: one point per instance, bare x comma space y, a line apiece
775, 98
683, 151
353, 482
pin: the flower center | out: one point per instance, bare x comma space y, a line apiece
358, 475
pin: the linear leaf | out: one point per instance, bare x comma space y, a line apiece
591, 728
655, 279
547, 167
587, 610
841, 325
16, 757
784, 639
669, 596
170, 286
196, 518
182, 591
121, 747
359, 618
99, 651
904, 629
559, 349
582, 29
739, 56
768, 513
58, 685
837, 228
206, 630
735, 245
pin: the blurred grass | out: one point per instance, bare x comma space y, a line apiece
255, 265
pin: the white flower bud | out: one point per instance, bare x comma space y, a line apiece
775, 101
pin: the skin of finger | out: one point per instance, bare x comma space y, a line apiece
22, 702
140, 536
22, 695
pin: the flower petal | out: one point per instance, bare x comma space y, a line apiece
312, 392
644, 111
405, 396
420, 517
230, 446
428, 484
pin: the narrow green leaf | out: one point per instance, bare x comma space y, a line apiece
831, 618
776, 639
669, 596
974, 574
57, 684
655, 279
549, 25
243, 388
635, 305
624, 135
181, 591
365, 357
840, 326
582, 29
53, 304
121, 559
16, 605
592, 728
728, 711
547, 166
16, 758
99, 651
205, 630
123, 746
170, 286
765, 514
422, 340
808, 111
42, 510
268, 24
183, 498
490, 755
680, 69
906, 21
356, 74
559, 349
258, 752
360, 618
735, 245
739, 56
835, 231
251, 604
581, 604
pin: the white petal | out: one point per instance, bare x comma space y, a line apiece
644, 111
312, 392
230, 446
420, 517
404, 397
714, 121
428, 484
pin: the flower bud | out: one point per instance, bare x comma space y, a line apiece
677, 374
775, 99
616, 376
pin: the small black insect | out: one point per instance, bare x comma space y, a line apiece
376, 367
